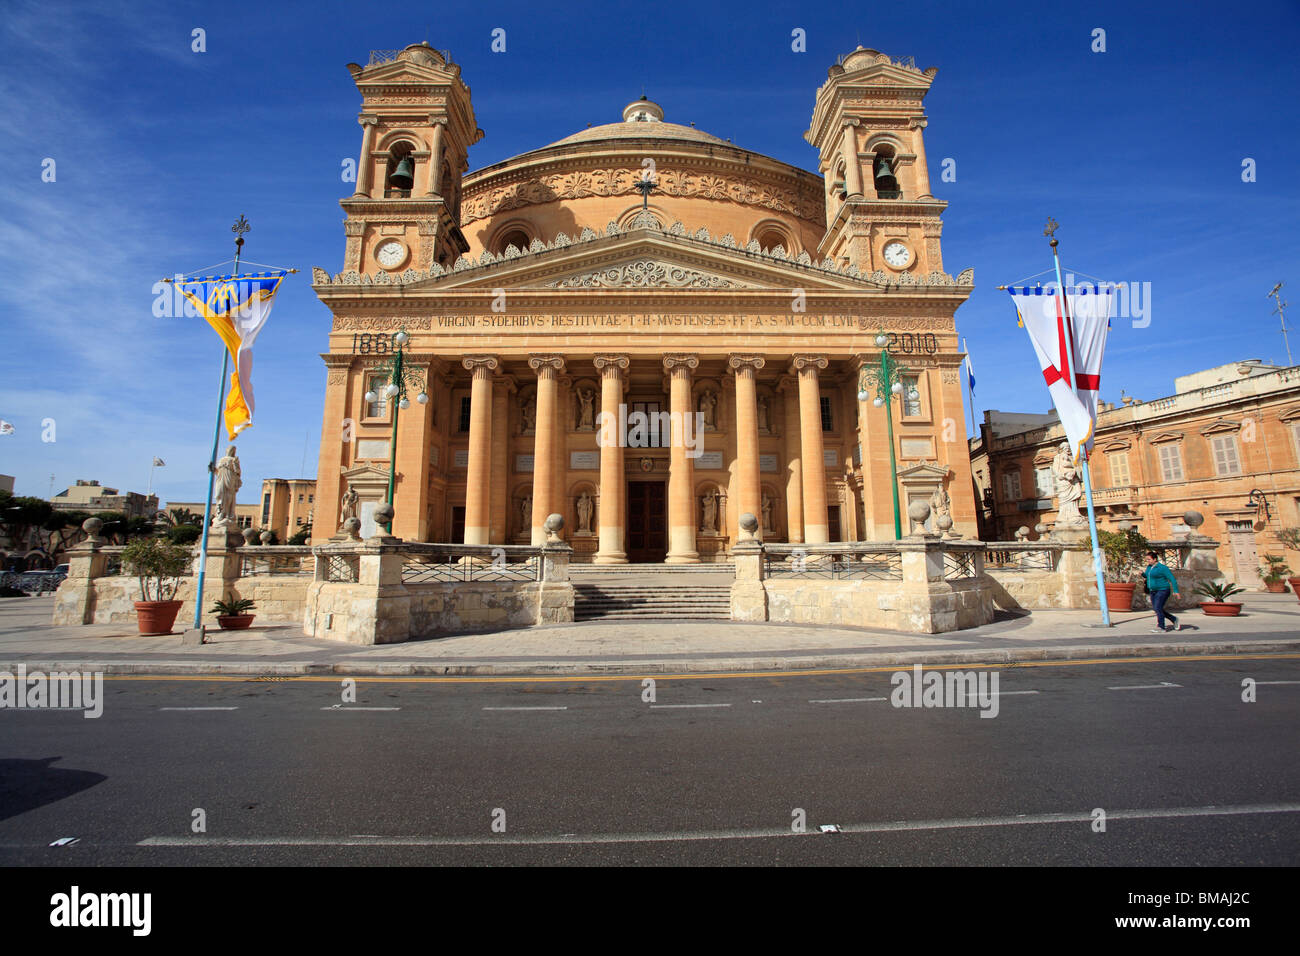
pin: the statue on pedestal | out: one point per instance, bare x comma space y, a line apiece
225, 486
709, 508
763, 409
528, 415
587, 413
767, 513
349, 506
708, 405
525, 513
1069, 489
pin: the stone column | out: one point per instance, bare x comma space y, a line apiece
366, 165
852, 168
815, 529
750, 492
499, 505
435, 159
478, 477
681, 474
548, 368
794, 460
613, 483
922, 169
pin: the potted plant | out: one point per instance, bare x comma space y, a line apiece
1290, 539
158, 564
1218, 593
230, 613
1275, 573
1124, 550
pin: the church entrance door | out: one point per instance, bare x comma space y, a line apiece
647, 521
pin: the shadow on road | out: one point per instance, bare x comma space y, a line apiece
28, 784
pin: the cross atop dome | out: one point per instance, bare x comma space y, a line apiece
643, 111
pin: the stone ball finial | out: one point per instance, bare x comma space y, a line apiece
352, 528
748, 522
92, 526
250, 535
1193, 519
384, 513
265, 537
918, 511
552, 526
1040, 528
1022, 533
944, 522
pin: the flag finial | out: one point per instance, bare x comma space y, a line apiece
1050, 230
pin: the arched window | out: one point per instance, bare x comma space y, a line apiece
400, 174
512, 237
884, 174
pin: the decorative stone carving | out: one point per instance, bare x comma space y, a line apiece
586, 410
708, 405
349, 506
319, 276
645, 273
1069, 489
709, 513
528, 415
767, 514
584, 513
226, 484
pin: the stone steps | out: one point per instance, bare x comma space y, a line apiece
579, 570
649, 601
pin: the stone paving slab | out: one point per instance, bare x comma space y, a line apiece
1270, 624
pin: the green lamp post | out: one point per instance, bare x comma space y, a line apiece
399, 378
887, 380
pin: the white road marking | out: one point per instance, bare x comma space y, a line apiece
198, 708
66, 841
676, 706
525, 708
1012, 693
1157, 813
340, 707
1274, 682
1161, 686
847, 700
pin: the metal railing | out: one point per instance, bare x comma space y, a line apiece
456, 563
864, 560
1021, 556
276, 559
342, 568
958, 565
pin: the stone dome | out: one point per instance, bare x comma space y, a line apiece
642, 119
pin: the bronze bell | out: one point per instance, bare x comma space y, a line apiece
402, 177
882, 171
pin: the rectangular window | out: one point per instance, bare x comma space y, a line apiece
1044, 483
464, 413
1119, 473
379, 407
266, 508
1011, 486
649, 426
911, 406
1226, 461
1171, 462
311, 499
300, 499
828, 420
298, 521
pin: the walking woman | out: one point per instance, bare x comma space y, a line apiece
1160, 584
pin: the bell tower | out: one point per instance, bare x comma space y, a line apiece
417, 126
867, 125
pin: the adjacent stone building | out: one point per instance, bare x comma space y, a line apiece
93, 497
1225, 432
640, 270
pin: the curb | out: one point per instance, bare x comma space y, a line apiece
792, 662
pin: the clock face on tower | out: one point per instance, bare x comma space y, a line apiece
897, 255
391, 254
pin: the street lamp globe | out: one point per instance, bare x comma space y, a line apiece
862, 395
372, 396
913, 395
401, 338
878, 402
390, 390
896, 388
422, 398
882, 340
404, 404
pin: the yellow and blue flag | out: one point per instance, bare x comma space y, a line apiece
236, 307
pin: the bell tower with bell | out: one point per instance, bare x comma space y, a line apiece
417, 126
866, 125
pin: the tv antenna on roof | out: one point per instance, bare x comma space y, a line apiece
1281, 314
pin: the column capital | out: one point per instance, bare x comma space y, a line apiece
480, 364
738, 361
848, 121
917, 122
541, 362
681, 363
611, 364
804, 361
367, 119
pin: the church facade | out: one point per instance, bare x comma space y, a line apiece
642, 327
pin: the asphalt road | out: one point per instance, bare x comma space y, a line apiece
588, 772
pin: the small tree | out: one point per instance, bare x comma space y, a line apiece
1274, 569
1124, 551
158, 564
184, 533
1289, 538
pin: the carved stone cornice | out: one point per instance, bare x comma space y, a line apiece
645, 273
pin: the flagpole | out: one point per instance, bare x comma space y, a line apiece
1087, 477
149, 490
239, 229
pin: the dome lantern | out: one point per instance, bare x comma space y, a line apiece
643, 111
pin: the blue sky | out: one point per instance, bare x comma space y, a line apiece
1137, 152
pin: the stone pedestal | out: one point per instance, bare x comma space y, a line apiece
74, 602
748, 595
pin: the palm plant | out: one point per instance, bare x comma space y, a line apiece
1218, 591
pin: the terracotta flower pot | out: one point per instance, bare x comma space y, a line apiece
235, 622
1221, 608
1119, 595
1295, 586
156, 617
1275, 587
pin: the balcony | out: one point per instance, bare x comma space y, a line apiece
1121, 496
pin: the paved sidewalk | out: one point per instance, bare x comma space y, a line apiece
1270, 623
